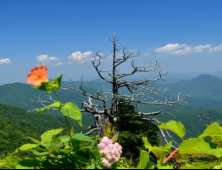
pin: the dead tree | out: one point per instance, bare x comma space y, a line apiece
140, 91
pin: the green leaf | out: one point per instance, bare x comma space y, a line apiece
48, 136
159, 152
82, 138
199, 146
56, 105
176, 127
40, 153
65, 139
71, 110
213, 130
144, 160
27, 147
147, 144
162, 151
201, 165
34, 140
93, 166
50, 85
160, 165
115, 138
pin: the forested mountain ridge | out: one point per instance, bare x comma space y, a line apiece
204, 90
17, 124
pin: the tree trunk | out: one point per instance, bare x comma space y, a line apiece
114, 109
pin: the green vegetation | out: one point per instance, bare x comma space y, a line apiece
63, 146
16, 124
132, 130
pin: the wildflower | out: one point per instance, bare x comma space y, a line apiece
110, 151
38, 76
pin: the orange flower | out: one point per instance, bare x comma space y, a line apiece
38, 76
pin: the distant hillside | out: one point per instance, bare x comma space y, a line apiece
19, 95
194, 118
16, 125
205, 90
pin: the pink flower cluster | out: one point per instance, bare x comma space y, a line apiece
110, 151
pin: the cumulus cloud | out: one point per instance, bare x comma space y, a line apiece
5, 61
58, 64
80, 57
45, 59
181, 49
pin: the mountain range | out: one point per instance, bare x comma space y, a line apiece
204, 103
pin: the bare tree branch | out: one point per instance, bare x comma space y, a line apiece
98, 59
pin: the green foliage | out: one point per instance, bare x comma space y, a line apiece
144, 160
53, 152
176, 127
72, 111
58, 149
56, 105
132, 131
16, 125
200, 146
214, 131
49, 86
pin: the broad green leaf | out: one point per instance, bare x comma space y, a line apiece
34, 140
160, 165
199, 146
159, 152
56, 105
201, 165
213, 130
162, 151
40, 153
147, 144
27, 147
82, 138
48, 136
176, 127
50, 85
66, 151
115, 138
144, 160
65, 139
71, 110
93, 166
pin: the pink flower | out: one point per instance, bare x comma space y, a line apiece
110, 151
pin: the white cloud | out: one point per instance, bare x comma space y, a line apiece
5, 61
182, 49
80, 57
45, 59
58, 64
215, 49
146, 54
170, 48
201, 48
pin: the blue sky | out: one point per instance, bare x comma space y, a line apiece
185, 35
